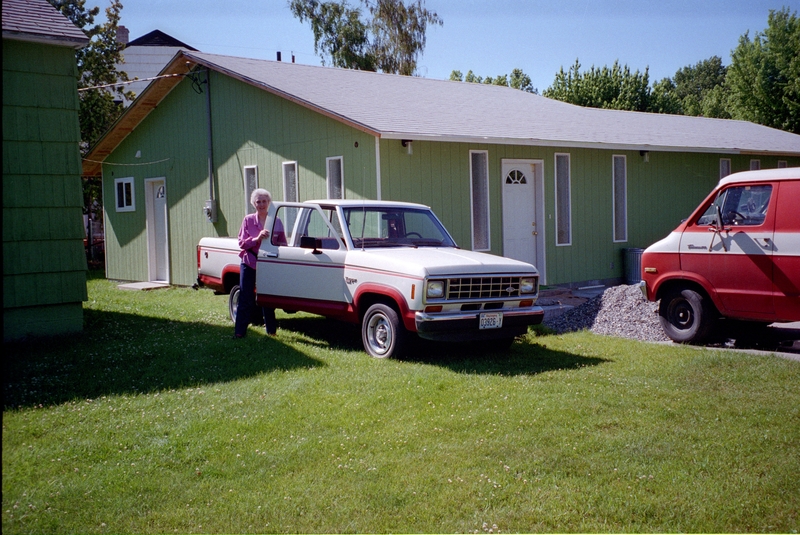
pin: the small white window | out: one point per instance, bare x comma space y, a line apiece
563, 201
250, 173
335, 178
782, 164
290, 182
724, 167
479, 199
755, 165
620, 193
124, 191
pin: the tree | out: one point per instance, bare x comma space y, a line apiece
615, 88
764, 75
517, 79
97, 65
390, 39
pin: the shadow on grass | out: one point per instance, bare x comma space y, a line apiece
523, 358
129, 354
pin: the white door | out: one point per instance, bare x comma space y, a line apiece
157, 243
523, 211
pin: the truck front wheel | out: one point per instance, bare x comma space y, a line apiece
382, 332
687, 316
233, 302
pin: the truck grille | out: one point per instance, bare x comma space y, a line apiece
482, 287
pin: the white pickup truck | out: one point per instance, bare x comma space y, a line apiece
389, 266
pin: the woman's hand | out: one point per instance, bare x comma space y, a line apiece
263, 235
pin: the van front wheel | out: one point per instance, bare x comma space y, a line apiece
687, 316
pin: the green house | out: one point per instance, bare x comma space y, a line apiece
44, 266
564, 187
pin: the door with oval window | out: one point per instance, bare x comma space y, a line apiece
523, 211
157, 229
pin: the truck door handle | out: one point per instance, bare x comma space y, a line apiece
272, 255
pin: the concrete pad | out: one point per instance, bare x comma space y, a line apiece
142, 285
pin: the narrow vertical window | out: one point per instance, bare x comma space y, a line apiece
290, 182
479, 197
620, 192
782, 164
755, 165
724, 167
124, 194
250, 173
335, 179
563, 201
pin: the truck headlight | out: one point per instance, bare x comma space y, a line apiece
434, 290
527, 285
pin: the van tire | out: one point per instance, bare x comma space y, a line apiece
687, 317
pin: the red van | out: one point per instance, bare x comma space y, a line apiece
736, 257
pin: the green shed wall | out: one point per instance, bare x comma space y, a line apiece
44, 265
250, 127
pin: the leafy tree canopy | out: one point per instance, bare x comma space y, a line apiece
764, 75
615, 88
376, 35
517, 79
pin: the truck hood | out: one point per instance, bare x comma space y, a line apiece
434, 261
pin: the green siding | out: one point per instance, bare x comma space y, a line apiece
44, 267
253, 127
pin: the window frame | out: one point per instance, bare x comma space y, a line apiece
121, 182
783, 164
568, 157
479, 215
614, 194
328, 162
755, 165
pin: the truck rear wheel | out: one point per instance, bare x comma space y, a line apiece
233, 306
382, 332
687, 316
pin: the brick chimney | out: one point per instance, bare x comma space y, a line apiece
123, 35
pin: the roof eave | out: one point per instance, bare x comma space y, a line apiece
141, 107
55, 40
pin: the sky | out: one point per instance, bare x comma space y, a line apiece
489, 37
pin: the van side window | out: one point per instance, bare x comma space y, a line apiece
739, 206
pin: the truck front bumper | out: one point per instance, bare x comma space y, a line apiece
465, 326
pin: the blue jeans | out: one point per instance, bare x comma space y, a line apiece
247, 302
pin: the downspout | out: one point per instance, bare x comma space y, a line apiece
211, 204
378, 167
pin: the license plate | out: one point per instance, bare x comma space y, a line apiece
491, 320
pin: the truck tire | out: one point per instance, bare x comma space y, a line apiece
233, 302
687, 317
233, 305
382, 332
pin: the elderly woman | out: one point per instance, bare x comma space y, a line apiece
250, 236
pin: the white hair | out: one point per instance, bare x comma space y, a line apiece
259, 192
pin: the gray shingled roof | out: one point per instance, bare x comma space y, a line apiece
404, 107
38, 21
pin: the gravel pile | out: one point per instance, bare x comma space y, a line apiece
618, 311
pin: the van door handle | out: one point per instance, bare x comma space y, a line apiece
767, 242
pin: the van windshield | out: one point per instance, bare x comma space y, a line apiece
739, 206
395, 227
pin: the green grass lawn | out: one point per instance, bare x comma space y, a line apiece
155, 420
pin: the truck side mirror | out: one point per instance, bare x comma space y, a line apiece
310, 242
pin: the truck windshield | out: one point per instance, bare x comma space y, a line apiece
395, 227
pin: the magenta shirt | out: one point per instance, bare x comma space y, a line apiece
248, 242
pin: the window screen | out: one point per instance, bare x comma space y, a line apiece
250, 173
335, 180
290, 182
124, 194
563, 202
479, 168
620, 187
